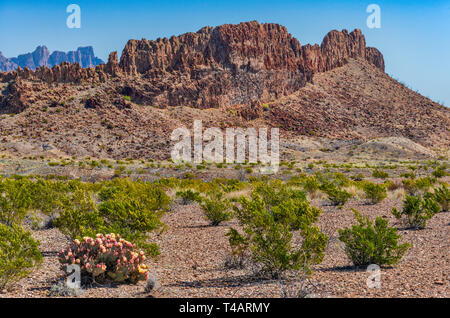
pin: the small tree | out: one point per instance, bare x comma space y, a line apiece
417, 211
368, 243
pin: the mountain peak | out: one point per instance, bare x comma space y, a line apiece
41, 57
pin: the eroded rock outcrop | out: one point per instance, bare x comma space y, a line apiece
214, 67
236, 64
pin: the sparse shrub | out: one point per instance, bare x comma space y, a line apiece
374, 192
334, 194
132, 209
80, 215
19, 253
442, 196
368, 243
189, 196
408, 175
424, 183
15, 200
216, 207
380, 174
340, 180
417, 211
107, 257
269, 220
413, 186
440, 172
311, 184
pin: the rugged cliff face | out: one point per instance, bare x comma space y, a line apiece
214, 67
235, 64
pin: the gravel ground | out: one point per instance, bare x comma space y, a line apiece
193, 255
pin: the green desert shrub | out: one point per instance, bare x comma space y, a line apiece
132, 209
311, 184
380, 174
216, 207
442, 196
189, 196
372, 243
440, 172
414, 186
79, 216
375, 193
19, 253
15, 200
417, 211
337, 196
423, 184
269, 220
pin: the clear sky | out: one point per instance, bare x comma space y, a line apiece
414, 36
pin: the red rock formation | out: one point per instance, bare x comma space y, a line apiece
375, 57
112, 67
235, 64
226, 65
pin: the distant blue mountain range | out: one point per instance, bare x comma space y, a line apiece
41, 57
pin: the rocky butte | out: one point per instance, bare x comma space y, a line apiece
214, 67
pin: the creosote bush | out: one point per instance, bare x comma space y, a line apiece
107, 257
216, 207
19, 253
334, 194
417, 211
132, 209
269, 220
374, 192
189, 196
442, 196
372, 243
380, 174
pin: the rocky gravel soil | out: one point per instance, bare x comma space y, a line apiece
193, 255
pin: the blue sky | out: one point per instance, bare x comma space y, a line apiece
414, 36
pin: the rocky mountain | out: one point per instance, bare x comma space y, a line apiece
226, 65
242, 75
6, 64
41, 57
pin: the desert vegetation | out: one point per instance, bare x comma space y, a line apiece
269, 229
